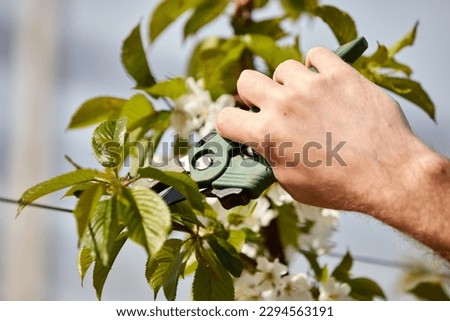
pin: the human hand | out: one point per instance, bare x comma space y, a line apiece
332, 137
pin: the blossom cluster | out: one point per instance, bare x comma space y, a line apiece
195, 111
272, 282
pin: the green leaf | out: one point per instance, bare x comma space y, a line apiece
257, 4
185, 213
101, 271
227, 255
134, 59
341, 272
204, 14
57, 183
365, 289
102, 230
218, 62
84, 262
211, 286
380, 56
135, 110
107, 142
95, 111
163, 268
167, 12
180, 181
269, 27
407, 40
340, 22
77, 189
288, 225
148, 219
314, 263
269, 50
408, 89
294, 8
237, 239
172, 88
431, 291
86, 205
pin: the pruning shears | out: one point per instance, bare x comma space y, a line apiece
230, 171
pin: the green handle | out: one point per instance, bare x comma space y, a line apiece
232, 173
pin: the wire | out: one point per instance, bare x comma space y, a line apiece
43, 206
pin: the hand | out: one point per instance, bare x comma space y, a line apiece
336, 140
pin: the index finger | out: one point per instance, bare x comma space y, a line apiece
324, 60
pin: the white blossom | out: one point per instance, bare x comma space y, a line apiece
246, 288
278, 195
269, 274
297, 288
324, 223
331, 290
196, 111
271, 282
255, 215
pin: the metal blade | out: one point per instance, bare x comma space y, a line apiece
172, 196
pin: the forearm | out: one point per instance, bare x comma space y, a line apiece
418, 199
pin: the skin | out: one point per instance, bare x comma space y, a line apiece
387, 172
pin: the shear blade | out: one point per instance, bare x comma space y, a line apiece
171, 196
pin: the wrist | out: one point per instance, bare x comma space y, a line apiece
416, 199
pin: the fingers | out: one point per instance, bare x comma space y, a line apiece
323, 60
235, 124
256, 89
289, 71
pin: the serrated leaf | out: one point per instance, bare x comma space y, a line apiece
163, 268
95, 111
408, 89
430, 291
172, 88
57, 183
102, 230
86, 205
341, 272
210, 286
134, 59
84, 262
136, 109
107, 142
101, 271
227, 255
167, 12
180, 181
407, 40
204, 14
340, 22
365, 289
148, 219
269, 50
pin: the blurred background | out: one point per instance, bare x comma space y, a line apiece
54, 55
